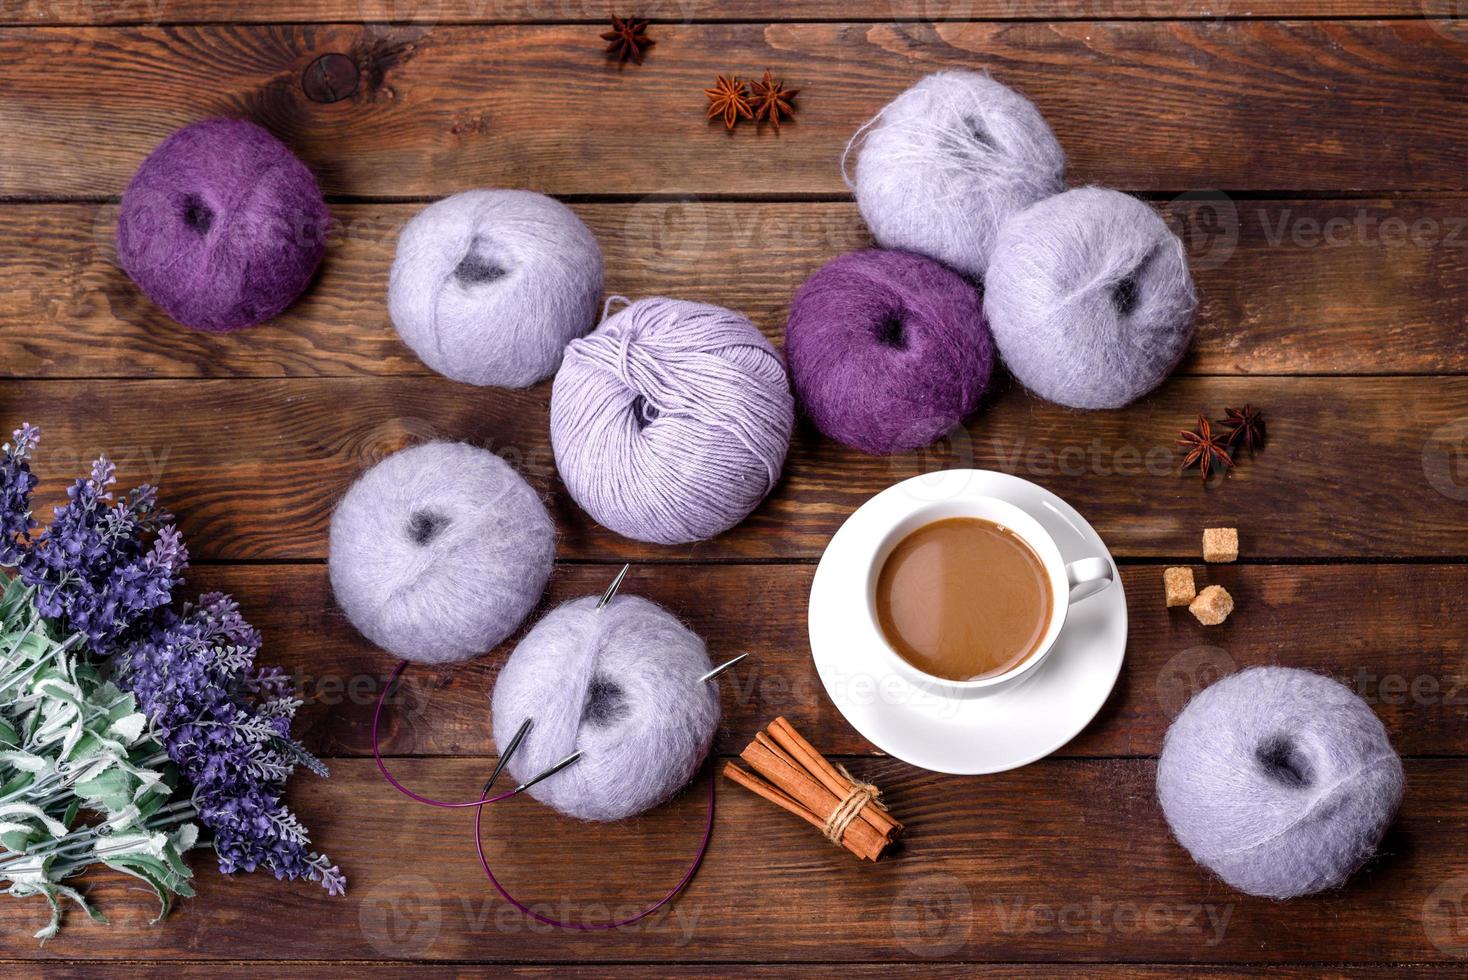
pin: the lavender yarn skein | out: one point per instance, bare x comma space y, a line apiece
671, 421
222, 226
946, 162
620, 684
489, 286
1090, 299
439, 552
1280, 781
888, 350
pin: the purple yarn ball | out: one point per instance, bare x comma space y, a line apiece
222, 226
888, 350
1280, 781
670, 422
621, 684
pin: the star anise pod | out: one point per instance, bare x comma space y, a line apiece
1246, 427
1204, 449
628, 39
771, 98
728, 98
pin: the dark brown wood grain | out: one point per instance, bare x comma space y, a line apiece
1364, 467
1296, 286
1062, 860
1139, 105
146, 970
431, 13
1362, 624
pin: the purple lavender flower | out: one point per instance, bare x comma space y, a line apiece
108, 569
226, 725
102, 565
16, 483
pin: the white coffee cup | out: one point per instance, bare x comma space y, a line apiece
1069, 582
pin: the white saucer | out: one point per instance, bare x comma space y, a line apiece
1015, 724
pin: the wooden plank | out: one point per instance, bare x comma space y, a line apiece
1064, 860
1366, 467
435, 12
1139, 105
1377, 628
1371, 286
148, 970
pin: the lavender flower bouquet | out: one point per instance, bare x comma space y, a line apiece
125, 716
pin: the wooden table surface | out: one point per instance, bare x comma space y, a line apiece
1316, 168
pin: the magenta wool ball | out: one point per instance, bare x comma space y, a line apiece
222, 226
888, 350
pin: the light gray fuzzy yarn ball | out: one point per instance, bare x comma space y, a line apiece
622, 685
944, 164
1089, 298
489, 286
439, 552
1280, 781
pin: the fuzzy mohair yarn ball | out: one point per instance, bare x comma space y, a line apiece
439, 552
888, 350
1280, 781
943, 165
670, 422
1090, 299
222, 226
620, 684
489, 286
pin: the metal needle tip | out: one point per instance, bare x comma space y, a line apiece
606, 596
721, 668
499, 766
549, 772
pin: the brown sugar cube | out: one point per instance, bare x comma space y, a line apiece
1212, 605
1220, 544
1178, 584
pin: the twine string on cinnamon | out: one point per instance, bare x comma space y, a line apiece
790, 773
847, 810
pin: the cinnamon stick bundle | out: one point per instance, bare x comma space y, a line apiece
790, 773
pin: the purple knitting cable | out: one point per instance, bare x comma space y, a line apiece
708, 832
382, 766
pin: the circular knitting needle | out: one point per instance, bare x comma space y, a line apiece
722, 667
611, 591
499, 767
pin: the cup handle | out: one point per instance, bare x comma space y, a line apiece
1088, 577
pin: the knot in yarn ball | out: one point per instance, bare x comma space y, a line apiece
888, 350
621, 685
488, 286
946, 162
439, 552
1279, 781
1089, 298
671, 421
222, 226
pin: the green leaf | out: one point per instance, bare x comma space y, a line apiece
152, 872
113, 789
25, 810
173, 855
25, 761
129, 727
17, 783
18, 840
